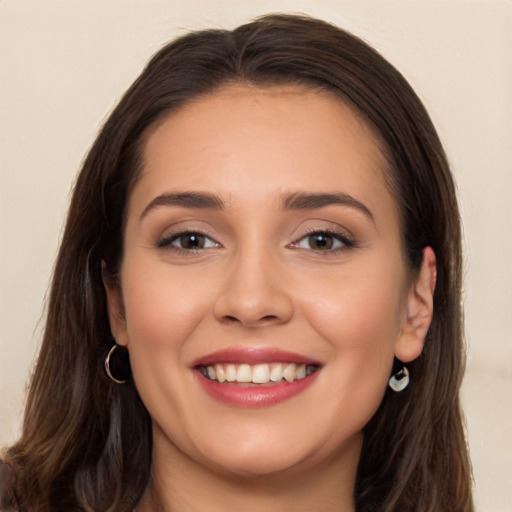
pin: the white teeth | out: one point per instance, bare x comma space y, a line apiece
289, 373
244, 373
258, 373
221, 374
277, 373
301, 371
230, 373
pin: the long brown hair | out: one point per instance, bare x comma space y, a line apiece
86, 442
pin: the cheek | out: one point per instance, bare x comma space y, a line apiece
162, 311
358, 319
358, 312
161, 305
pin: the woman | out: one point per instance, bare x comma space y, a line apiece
267, 226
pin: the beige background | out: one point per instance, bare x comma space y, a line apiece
64, 64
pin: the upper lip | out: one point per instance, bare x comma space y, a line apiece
252, 356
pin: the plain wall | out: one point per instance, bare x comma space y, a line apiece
64, 64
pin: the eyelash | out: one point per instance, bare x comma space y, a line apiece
334, 236
169, 240
344, 240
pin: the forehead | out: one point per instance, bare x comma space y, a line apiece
237, 109
246, 140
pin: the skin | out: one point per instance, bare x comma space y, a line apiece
259, 282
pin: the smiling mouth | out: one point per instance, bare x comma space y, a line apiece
260, 374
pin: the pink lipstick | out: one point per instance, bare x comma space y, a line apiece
255, 377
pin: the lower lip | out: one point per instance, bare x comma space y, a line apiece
237, 395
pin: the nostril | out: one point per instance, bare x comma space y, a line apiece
263, 319
251, 306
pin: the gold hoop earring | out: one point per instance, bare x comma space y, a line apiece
117, 364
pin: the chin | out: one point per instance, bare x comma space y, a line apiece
265, 457
258, 470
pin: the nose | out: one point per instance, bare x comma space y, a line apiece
254, 293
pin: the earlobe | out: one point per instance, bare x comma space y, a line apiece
419, 310
115, 307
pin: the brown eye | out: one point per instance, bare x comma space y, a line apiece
324, 241
188, 241
320, 241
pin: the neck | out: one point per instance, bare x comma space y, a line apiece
180, 484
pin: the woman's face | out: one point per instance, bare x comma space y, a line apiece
263, 292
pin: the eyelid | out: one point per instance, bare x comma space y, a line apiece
346, 241
167, 240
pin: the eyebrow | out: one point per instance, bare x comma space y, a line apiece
199, 200
291, 201
313, 201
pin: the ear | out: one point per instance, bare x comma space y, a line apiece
115, 306
419, 310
